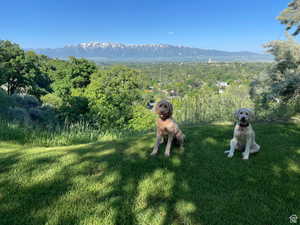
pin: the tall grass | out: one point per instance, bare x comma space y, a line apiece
209, 105
71, 134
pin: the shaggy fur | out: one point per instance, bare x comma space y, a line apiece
167, 128
244, 135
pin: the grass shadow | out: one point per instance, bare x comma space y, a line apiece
118, 182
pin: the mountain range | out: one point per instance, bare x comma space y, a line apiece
103, 51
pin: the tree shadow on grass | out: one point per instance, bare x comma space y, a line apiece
118, 182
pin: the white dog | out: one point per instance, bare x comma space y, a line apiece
243, 136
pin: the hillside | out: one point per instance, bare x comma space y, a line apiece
117, 182
148, 52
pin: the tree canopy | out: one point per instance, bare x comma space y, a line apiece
291, 17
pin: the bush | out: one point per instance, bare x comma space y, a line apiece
277, 110
52, 100
19, 114
5, 102
143, 119
112, 94
75, 108
26, 101
44, 116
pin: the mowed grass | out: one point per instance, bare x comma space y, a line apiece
117, 182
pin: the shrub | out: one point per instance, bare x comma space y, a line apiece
25, 101
277, 110
112, 95
75, 108
52, 100
143, 119
5, 102
19, 114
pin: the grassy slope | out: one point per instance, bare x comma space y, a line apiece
117, 182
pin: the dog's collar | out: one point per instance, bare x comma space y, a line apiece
244, 125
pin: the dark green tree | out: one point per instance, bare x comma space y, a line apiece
71, 76
20, 71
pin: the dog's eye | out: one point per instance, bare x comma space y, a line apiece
246, 114
241, 113
165, 106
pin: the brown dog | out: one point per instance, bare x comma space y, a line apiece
166, 127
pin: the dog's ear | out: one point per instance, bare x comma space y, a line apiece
170, 107
155, 108
236, 113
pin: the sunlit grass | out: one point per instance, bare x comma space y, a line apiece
117, 182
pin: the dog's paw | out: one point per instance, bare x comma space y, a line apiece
227, 151
245, 156
167, 154
153, 153
230, 155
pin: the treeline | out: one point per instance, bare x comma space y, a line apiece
39, 90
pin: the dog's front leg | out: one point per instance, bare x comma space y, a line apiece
247, 149
168, 148
233, 144
159, 140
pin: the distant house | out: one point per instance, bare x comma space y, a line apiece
222, 86
173, 94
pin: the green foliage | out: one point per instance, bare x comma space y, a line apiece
73, 134
143, 119
276, 111
70, 75
75, 108
21, 71
52, 100
56, 135
207, 105
5, 102
274, 90
19, 114
81, 70
184, 78
25, 101
291, 16
112, 94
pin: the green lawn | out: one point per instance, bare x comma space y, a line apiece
117, 182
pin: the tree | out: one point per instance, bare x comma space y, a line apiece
112, 95
279, 86
10, 57
70, 76
81, 70
21, 71
291, 16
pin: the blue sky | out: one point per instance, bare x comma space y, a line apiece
233, 25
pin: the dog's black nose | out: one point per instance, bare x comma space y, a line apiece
243, 119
